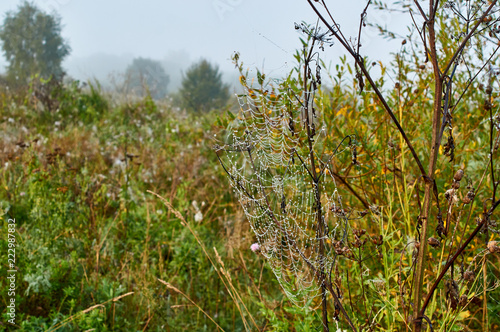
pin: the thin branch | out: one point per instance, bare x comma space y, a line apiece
360, 62
492, 126
469, 35
344, 182
474, 78
421, 10
363, 15
421, 33
434, 10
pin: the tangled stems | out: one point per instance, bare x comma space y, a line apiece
483, 222
442, 85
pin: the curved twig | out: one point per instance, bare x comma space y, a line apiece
361, 65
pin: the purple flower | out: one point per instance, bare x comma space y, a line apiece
255, 247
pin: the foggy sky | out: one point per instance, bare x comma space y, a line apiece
106, 35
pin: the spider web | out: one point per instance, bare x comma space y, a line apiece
268, 162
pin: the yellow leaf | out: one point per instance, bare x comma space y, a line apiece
463, 315
342, 111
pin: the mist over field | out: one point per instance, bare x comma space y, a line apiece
106, 36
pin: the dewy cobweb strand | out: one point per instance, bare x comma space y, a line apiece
266, 159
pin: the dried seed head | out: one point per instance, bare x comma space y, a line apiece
379, 284
469, 275
493, 247
359, 232
458, 175
378, 240
451, 195
477, 301
487, 19
470, 194
451, 288
363, 213
463, 300
455, 185
339, 212
487, 105
489, 90
357, 243
433, 242
375, 209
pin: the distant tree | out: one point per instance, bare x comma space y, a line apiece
147, 75
202, 88
32, 44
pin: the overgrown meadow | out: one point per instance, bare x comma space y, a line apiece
126, 221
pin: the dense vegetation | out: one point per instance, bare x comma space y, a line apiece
126, 221
88, 233
92, 242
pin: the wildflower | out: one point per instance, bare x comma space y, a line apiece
255, 247
198, 216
